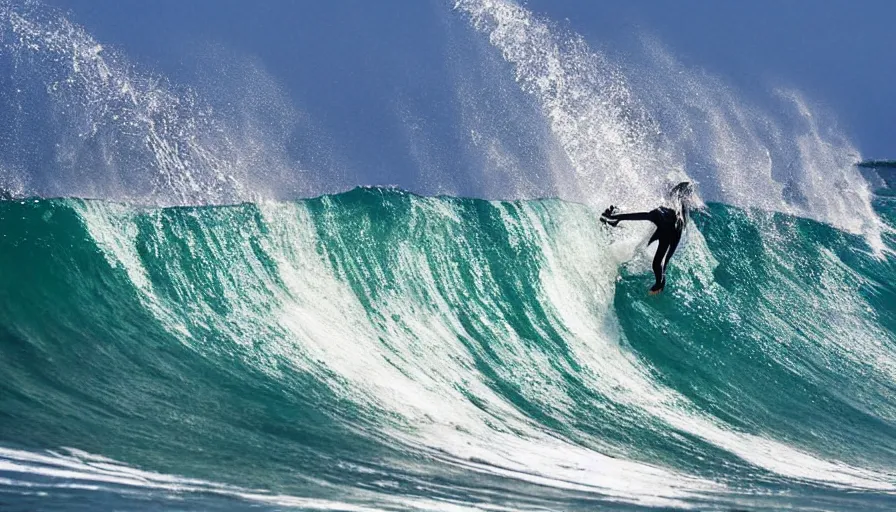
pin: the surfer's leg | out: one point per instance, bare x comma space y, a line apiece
670, 243
658, 267
673, 244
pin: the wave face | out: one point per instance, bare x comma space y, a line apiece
381, 350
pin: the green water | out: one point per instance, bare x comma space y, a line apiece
377, 348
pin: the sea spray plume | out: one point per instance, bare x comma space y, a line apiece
826, 174
723, 141
796, 155
282, 152
109, 106
120, 133
610, 140
628, 131
502, 125
11, 183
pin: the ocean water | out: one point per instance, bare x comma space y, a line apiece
381, 350
217, 330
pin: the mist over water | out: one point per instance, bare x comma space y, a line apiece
85, 121
204, 334
540, 114
629, 132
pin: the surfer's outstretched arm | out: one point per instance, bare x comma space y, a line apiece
612, 218
631, 216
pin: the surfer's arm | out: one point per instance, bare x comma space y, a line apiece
612, 218
630, 216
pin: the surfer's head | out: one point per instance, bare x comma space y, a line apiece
683, 196
684, 191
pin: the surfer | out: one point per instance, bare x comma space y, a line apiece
670, 223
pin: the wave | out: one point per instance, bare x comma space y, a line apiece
379, 348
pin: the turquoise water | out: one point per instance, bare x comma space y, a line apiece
380, 350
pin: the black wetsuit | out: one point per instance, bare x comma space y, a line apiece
669, 226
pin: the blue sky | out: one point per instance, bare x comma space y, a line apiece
347, 64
